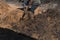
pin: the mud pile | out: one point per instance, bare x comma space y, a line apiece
9, 15
44, 26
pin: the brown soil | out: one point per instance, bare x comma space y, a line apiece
45, 26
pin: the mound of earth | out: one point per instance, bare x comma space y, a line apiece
43, 26
4, 8
9, 14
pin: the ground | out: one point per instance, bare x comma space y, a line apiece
43, 26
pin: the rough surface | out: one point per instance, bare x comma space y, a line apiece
43, 26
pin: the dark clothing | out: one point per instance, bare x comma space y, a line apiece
26, 2
34, 6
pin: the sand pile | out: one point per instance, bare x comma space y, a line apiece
4, 8
43, 26
9, 15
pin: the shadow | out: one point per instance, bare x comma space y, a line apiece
6, 34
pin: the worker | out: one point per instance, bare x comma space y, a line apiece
30, 5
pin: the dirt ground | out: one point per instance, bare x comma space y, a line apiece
43, 26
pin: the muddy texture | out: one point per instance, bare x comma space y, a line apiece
44, 26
